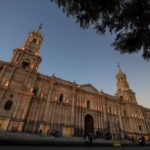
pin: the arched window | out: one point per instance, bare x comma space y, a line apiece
25, 63
32, 45
11, 95
34, 41
1, 68
88, 104
140, 128
35, 91
8, 105
119, 90
109, 109
61, 96
124, 113
121, 78
121, 97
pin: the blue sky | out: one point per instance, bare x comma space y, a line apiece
69, 51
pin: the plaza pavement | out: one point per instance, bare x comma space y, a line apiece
12, 138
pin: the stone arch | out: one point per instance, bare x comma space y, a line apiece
89, 123
8, 105
25, 63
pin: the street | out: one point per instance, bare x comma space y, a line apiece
69, 148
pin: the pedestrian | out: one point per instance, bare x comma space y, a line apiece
135, 141
143, 140
86, 138
90, 137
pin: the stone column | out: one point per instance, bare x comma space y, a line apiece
101, 122
65, 116
120, 120
2, 72
27, 103
26, 78
82, 116
98, 122
73, 109
53, 113
37, 113
15, 113
14, 57
60, 112
104, 109
76, 122
10, 75
16, 108
48, 102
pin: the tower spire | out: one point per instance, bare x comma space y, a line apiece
28, 57
118, 65
123, 89
38, 29
119, 69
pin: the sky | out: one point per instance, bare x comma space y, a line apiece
68, 51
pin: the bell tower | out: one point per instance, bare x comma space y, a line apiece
123, 89
28, 56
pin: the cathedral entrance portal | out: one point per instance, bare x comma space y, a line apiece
89, 123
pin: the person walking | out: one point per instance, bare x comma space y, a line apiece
90, 138
86, 138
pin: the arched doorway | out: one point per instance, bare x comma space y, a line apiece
89, 123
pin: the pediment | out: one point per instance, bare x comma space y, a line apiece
89, 88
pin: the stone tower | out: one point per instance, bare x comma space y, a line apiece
17, 83
123, 90
28, 56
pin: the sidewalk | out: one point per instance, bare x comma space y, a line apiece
12, 138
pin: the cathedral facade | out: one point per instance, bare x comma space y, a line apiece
36, 103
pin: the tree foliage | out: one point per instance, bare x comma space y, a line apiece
128, 19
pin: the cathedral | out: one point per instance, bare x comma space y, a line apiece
36, 103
